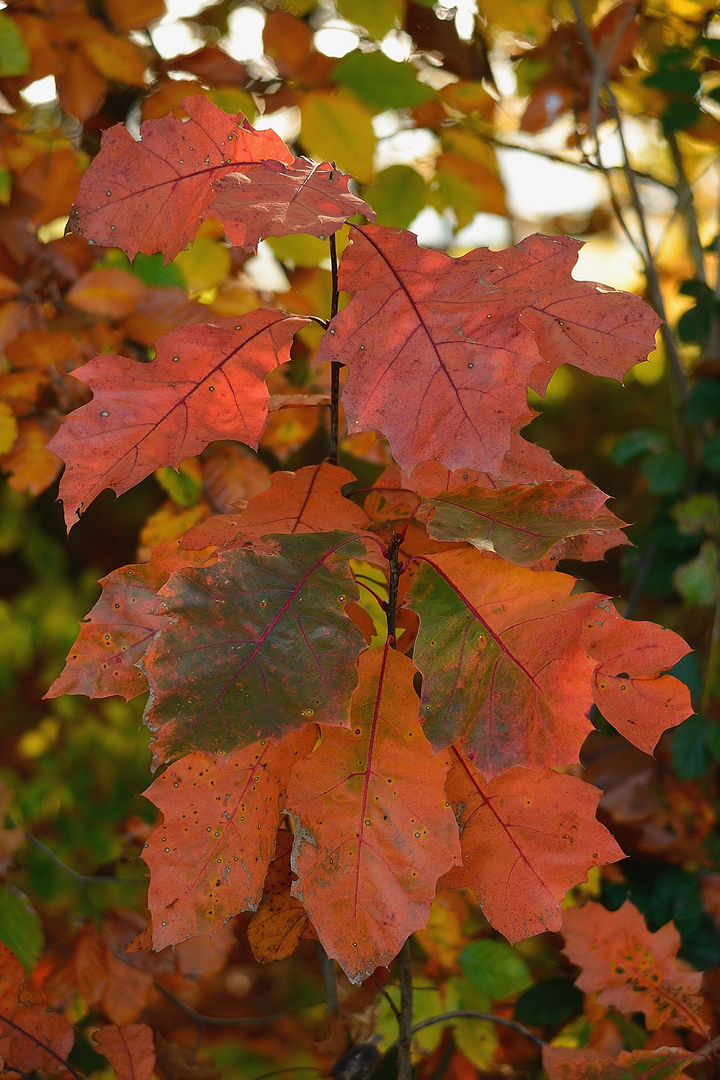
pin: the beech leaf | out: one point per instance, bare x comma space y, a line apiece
150, 195
522, 524
280, 922
209, 858
116, 632
630, 968
273, 198
374, 831
440, 351
206, 383
31, 1036
527, 837
257, 645
129, 1049
501, 659
631, 686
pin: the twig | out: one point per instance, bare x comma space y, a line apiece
82, 879
406, 1010
222, 1021
686, 204
327, 966
470, 1014
334, 365
387, 997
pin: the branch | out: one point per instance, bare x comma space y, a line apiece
226, 1021
406, 1006
470, 1014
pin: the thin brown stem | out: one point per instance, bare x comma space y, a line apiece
686, 205
218, 1021
327, 966
470, 1014
334, 365
406, 1010
391, 610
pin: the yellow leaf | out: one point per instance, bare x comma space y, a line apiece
376, 16
204, 265
337, 128
8, 428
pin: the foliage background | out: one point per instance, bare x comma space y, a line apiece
421, 108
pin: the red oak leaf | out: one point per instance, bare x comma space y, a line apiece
522, 524
129, 1049
563, 1063
115, 634
440, 357
630, 684
31, 1036
630, 968
209, 857
277, 199
151, 195
256, 645
375, 831
206, 383
527, 837
569, 324
501, 659
308, 500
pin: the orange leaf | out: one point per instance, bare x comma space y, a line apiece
129, 1049
280, 921
563, 1063
31, 1036
527, 837
630, 968
630, 684
209, 858
374, 829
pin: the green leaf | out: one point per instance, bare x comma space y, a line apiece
14, 56
697, 581
630, 446
300, 250
690, 750
256, 645
153, 272
679, 80
665, 473
337, 127
398, 194
549, 1003
382, 82
376, 16
711, 453
698, 514
679, 114
494, 969
704, 400
183, 485
20, 926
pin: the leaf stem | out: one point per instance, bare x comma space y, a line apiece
394, 559
406, 1009
334, 365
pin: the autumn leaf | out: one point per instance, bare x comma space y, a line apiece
31, 1035
205, 383
440, 351
116, 632
527, 837
522, 524
280, 922
151, 195
274, 198
209, 857
631, 686
129, 1049
563, 1063
257, 645
630, 968
375, 831
500, 655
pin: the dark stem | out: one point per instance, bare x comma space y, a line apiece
406, 1011
394, 559
470, 1014
334, 366
327, 966
219, 1021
